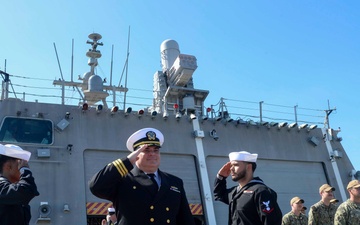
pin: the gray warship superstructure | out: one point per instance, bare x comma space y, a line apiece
70, 143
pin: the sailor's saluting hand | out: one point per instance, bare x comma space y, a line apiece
133, 156
225, 170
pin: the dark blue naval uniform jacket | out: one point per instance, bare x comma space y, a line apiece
129, 189
15, 198
254, 204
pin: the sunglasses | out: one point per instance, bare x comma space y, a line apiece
111, 213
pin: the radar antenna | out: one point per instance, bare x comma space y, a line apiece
93, 89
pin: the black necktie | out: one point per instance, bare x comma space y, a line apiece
152, 177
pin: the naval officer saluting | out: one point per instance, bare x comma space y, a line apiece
141, 193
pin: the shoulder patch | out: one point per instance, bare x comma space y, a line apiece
267, 208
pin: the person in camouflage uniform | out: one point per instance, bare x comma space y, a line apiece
348, 212
334, 201
303, 210
295, 216
323, 212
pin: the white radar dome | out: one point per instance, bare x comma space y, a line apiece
95, 83
86, 76
169, 50
85, 80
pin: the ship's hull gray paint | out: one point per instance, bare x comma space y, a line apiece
288, 162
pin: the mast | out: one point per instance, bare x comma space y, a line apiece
93, 89
127, 63
328, 112
5, 84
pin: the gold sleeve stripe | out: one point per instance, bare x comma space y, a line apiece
123, 168
120, 167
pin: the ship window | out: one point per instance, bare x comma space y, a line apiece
25, 130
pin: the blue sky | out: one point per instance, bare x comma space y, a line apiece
282, 52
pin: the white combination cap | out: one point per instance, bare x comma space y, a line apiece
243, 156
145, 136
14, 151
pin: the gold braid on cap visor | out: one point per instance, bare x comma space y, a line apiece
146, 142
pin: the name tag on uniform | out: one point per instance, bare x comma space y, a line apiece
248, 192
173, 188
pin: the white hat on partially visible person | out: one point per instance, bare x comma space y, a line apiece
14, 151
145, 136
111, 210
243, 156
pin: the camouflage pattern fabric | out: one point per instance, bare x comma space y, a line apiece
320, 214
291, 219
348, 213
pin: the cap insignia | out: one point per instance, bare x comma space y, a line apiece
151, 135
